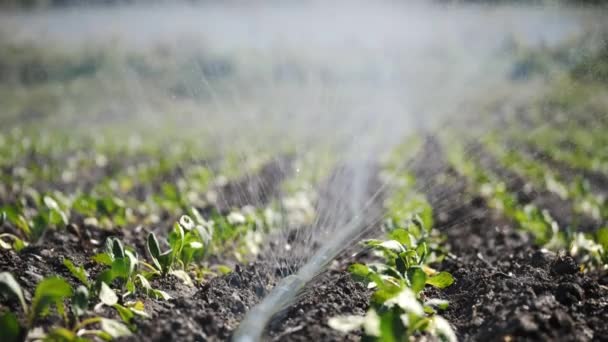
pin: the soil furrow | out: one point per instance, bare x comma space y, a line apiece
508, 289
561, 210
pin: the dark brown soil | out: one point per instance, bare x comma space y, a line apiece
506, 288
561, 210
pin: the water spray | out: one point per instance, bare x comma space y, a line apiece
253, 325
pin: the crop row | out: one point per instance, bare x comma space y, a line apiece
533, 212
402, 264
122, 275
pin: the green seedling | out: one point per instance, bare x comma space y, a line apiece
49, 292
126, 312
54, 291
123, 267
399, 318
122, 262
186, 241
17, 244
162, 260
78, 272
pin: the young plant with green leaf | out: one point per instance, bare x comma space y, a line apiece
54, 292
399, 309
187, 244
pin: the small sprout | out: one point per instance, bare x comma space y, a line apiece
162, 260
10, 288
441, 280
107, 296
17, 244
114, 329
417, 279
183, 276
78, 272
80, 301
49, 291
186, 222
392, 245
123, 264
145, 285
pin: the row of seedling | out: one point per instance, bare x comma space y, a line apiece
399, 309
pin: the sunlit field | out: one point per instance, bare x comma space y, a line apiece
376, 171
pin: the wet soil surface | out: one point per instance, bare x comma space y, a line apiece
505, 289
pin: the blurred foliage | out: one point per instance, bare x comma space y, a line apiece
593, 67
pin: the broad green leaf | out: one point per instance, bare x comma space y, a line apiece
602, 238
421, 250
159, 294
153, 248
401, 264
49, 291
223, 269
138, 309
386, 292
80, 301
440, 280
62, 335
130, 286
401, 235
144, 283
359, 270
417, 279
19, 244
117, 249
183, 276
166, 260
392, 245
121, 268
132, 260
391, 328
114, 328
10, 287
10, 328
107, 295
77, 271
176, 238
103, 258
125, 313
106, 276
51, 203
